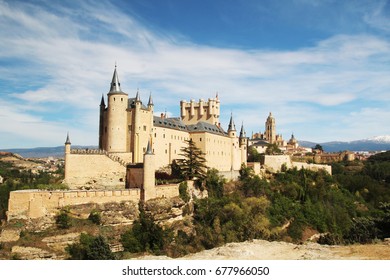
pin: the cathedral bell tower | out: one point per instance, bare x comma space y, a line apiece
270, 129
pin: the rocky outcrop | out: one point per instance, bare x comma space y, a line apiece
118, 213
32, 253
10, 235
60, 242
164, 210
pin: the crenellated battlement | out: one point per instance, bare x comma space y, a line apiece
193, 112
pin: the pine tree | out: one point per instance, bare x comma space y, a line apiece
192, 166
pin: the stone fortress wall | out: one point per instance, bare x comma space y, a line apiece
32, 204
274, 163
104, 169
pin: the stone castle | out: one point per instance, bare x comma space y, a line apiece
133, 144
126, 126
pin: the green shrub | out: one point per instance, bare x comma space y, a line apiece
95, 217
364, 230
63, 220
90, 248
183, 192
330, 239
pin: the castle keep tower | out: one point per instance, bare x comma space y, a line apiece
116, 121
125, 125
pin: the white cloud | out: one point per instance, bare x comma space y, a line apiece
75, 53
379, 17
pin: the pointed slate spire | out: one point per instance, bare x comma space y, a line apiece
150, 102
149, 149
115, 84
242, 132
102, 102
67, 142
137, 98
231, 127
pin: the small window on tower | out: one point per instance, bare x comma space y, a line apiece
144, 127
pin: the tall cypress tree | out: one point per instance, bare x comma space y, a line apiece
193, 165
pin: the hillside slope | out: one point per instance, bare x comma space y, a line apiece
277, 250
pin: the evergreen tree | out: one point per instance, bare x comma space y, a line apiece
193, 164
145, 235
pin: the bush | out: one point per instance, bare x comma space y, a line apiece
183, 193
90, 248
63, 220
95, 218
330, 239
364, 230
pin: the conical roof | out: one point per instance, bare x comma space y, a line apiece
242, 132
67, 142
115, 84
231, 124
150, 102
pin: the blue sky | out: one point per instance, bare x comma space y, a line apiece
321, 67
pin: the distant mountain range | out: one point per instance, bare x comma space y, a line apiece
43, 152
380, 143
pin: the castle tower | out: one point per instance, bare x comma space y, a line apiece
67, 153
116, 117
231, 127
149, 188
234, 144
136, 141
270, 129
243, 144
150, 103
101, 123
151, 110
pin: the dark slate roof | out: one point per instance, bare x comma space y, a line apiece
261, 143
172, 123
131, 103
206, 127
176, 123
